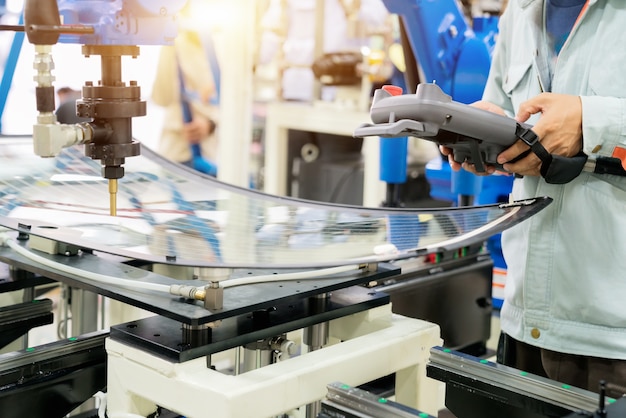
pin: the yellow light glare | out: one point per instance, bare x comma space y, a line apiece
202, 15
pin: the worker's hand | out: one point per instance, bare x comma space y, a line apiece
447, 151
559, 129
198, 129
207, 93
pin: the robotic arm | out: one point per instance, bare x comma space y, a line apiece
448, 51
130, 22
110, 29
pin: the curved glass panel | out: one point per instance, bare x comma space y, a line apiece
167, 213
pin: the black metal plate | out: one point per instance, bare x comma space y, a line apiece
237, 300
163, 337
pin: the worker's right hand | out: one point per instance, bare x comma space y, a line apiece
198, 129
559, 129
447, 151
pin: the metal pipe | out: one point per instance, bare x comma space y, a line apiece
111, 69
113, 196
316, 337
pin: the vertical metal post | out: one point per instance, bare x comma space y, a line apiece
318, 50
84, 308
237, 361
235, 131
29, 294
316, 337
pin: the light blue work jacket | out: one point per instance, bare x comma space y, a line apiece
566, 280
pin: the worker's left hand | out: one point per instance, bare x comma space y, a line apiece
447, 151
559, 129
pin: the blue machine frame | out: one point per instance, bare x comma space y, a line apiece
457, 57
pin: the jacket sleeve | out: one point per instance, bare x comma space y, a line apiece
603, 97
164, 89
604, 125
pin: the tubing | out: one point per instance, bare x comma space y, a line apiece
177, 290
101, 278
300, 275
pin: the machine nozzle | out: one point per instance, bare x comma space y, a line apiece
113, 196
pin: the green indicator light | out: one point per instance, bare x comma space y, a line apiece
484, 361
446, 350
423, 414
29, 349
523, 374
345, 387
72, 339
566, 387
382, 400
610, 400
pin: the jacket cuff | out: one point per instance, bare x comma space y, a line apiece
604, 125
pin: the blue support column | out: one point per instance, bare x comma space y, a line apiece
9, 68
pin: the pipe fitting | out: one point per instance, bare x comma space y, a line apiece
189, 292
214, 296
50, 138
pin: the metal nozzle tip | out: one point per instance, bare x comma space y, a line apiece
113, 196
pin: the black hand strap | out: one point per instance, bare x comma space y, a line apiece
555, 169
532, 140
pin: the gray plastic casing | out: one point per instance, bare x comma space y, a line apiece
475, 135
